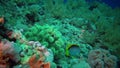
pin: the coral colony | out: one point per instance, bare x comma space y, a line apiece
59, 34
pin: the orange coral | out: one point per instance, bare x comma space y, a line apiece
2, 20
46, 65
34, 63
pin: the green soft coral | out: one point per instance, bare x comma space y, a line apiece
48, 36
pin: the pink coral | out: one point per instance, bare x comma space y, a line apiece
101, 58
6, 53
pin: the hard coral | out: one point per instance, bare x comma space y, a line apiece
7, 54
34, 63
3, 63
101, 58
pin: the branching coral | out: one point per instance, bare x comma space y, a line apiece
101, 58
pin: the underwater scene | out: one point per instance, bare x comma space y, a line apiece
59, 33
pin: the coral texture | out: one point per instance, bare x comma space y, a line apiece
7, 54
38, 63
101, 58
48, 36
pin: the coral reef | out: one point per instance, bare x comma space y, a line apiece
100, 58
48, 27
20, 54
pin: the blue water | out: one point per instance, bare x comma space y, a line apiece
112, 3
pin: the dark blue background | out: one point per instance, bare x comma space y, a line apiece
112, 3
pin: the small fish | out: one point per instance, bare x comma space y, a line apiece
74, 51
